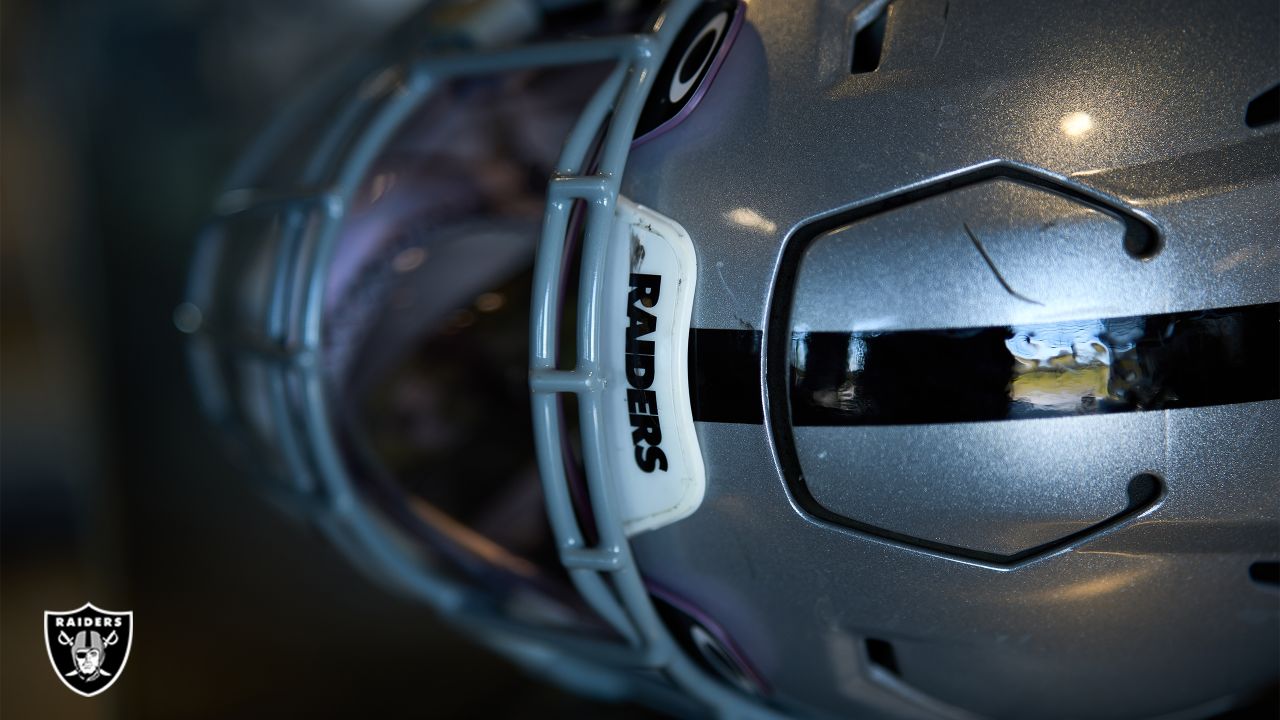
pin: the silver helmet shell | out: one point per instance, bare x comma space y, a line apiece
969, 356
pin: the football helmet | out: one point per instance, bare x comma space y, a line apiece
809, 359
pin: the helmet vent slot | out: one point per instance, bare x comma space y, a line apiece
868, 42
880, 653
1265, 573
1263, 110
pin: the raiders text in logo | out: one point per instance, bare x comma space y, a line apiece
642, 402
88, 646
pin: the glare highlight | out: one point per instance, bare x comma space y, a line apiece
748, 218
1076, 124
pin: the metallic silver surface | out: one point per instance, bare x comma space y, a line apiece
1159, 617
1005, 486
916, 266
777, 143
1141, 104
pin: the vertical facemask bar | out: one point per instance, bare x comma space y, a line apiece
566, 187
629, 609
621, 95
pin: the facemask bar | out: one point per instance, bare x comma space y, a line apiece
616, 107
286, 344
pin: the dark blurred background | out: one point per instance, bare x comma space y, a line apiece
117, 123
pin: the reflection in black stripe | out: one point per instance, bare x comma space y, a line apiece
1153, 362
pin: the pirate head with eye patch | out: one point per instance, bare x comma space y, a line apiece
88, 652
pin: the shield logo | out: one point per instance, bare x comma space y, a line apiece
88, 646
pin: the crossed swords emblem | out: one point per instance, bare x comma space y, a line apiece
107, 642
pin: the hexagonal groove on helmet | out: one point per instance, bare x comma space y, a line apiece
1142, 240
